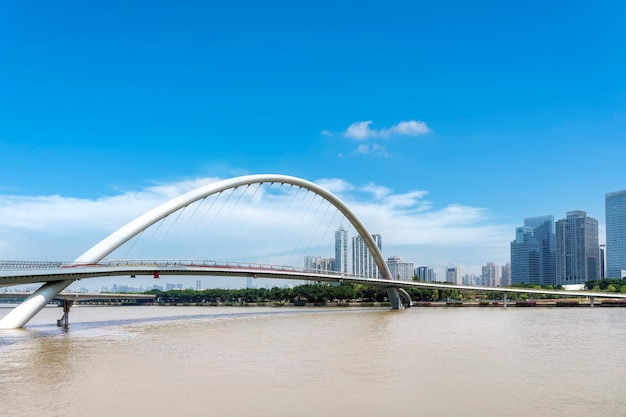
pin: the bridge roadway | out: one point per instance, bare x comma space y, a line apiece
16, 273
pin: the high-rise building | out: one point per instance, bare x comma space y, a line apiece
317, 263
472, 279
577, 249
615, 207
505, 275
602, 261
341, 250
453, 275
309, 262
490, 275
400, 270
425, 274
533, 252
362, 261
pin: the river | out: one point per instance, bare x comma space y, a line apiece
284, 361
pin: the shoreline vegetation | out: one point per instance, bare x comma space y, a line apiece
358, 295
562, 303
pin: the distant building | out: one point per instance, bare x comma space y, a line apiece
425, 274
400, 270
362, 261
317, 263
169, 287
577, 249
453, 275
533, 252
615, 208
490, 275
341, 250
309, 262
472, 279
602, 261
198, 285
505, 275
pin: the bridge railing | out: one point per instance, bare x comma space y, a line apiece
32, 264
173, 263
169, 263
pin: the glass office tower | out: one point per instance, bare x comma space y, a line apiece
533, 252
615, 208
577, 249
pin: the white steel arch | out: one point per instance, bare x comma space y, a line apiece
127, 232
21, 314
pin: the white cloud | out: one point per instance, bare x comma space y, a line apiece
409, 128
335, 185
373, 149
378, 191
361, 130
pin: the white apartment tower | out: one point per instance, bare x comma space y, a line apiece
400, 270
362, 261
341, 250
453, 275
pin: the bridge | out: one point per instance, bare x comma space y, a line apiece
80, 296
234, 216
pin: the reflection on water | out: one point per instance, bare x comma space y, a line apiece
229, 361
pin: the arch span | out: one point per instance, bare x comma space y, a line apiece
21, 314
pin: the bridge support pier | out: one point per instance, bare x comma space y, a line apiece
504, 300
591, 301
65, 320
21, 314
394, 298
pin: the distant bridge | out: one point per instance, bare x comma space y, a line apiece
79, 296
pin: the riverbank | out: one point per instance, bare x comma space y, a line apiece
450, 304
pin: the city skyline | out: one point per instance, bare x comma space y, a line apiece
442, 128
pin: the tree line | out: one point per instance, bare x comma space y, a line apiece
343, 293
607, 285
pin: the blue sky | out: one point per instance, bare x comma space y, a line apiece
483, 113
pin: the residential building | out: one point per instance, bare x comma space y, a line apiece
577, 249
615, 208
400, 270
341, 250
490, 275
362, 261
453, 275
533, 252
472, 279
505, 275
318, 263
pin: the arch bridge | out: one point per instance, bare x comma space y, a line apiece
58, 276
